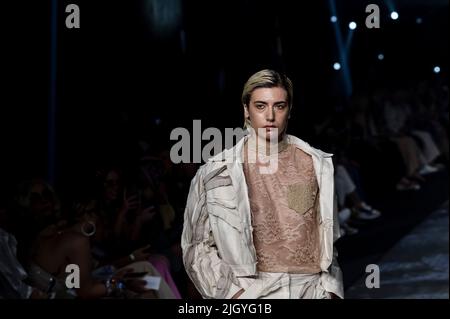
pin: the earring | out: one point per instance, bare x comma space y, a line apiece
91, 227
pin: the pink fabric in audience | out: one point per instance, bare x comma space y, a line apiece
162, 265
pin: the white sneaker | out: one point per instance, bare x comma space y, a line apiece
428, 169
367, 215
366, 212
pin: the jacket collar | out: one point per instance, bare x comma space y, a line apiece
232, 158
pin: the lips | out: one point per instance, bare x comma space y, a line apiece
270, 128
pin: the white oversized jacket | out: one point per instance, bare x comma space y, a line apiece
217, 239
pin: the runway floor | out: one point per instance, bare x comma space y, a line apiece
409, 243
416, 267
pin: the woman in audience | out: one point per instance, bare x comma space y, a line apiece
69, 243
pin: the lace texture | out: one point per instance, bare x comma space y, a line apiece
284, 219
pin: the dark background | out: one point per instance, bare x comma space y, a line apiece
126, 69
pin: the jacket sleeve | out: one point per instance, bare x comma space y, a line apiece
212, 277
332, 280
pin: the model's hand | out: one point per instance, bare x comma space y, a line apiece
238, 294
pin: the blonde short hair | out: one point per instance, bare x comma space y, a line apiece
266, 79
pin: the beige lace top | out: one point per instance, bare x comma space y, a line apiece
283, 205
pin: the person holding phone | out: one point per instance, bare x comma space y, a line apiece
261, 217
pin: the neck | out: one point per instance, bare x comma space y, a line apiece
266, 147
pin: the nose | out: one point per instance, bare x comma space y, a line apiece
270, 114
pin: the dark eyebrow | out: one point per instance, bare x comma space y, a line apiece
278, 102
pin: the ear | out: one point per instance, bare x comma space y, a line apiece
246, 113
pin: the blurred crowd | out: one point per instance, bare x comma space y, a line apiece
122, 225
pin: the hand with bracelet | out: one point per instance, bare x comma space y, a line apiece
114, 287
115, 284
126, 279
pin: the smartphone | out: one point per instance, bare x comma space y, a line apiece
152, 282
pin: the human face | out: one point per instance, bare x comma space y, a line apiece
268, 109
112, 186
41, 200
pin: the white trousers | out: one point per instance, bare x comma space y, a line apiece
283, 286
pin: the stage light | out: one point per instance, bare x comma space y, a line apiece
352, 25
333, 19
381, 56
337, 66
436, 69
394, 15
